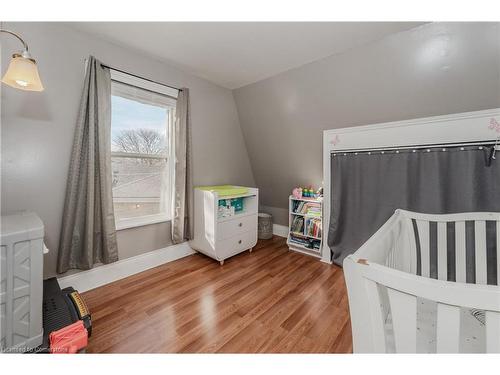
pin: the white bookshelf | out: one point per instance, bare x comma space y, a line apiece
316, 252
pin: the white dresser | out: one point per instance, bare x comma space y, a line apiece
21, 284
223, 237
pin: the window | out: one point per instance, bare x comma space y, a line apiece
142, 115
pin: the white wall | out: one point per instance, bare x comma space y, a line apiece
37, 129
434, 69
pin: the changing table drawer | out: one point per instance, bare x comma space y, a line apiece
236, 244
236, 226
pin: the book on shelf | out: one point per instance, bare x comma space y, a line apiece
297, 224
313, 227
307, 208
309, 243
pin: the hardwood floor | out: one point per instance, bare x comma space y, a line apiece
269, 301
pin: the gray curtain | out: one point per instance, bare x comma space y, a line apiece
88, 233
182, 207
367, 189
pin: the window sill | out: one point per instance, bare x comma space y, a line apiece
141, 221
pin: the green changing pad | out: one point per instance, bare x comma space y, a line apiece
225, 190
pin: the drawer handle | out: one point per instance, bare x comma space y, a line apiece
239, 241
240, 224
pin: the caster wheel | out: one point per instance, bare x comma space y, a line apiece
221, 262
250, 250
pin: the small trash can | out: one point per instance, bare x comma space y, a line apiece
265, 226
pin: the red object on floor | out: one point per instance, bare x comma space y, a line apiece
69, 339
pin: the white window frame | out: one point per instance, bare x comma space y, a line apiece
170, 157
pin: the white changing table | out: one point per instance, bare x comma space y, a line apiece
221, 238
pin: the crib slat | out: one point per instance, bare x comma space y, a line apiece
492, 332
404, 320
448, 328
377, 316
413, 246
460, 252
480, 238
423, 233
442, 251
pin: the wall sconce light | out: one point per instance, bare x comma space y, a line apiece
22, 72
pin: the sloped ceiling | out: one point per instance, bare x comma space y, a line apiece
234, 54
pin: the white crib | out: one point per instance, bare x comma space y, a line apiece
423, 284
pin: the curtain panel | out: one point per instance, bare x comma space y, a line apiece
182, 215
366, 189
88, 234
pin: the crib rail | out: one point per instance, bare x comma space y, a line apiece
403, 289
452, 260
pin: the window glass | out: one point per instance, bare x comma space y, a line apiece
140, 148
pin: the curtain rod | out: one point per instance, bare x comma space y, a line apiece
415, 147
135, 75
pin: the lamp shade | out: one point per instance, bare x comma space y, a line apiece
22, 73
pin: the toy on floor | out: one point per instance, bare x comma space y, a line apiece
70, 339
67, 323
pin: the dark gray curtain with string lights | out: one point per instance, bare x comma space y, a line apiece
367, 189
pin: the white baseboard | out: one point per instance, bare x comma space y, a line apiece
326, 256
280, 230
107, 273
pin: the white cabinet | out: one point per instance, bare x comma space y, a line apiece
223, 237
21, 284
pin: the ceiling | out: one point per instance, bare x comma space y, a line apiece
235, 54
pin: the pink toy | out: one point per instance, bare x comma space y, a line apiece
336, 140
297, 193
494, 125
